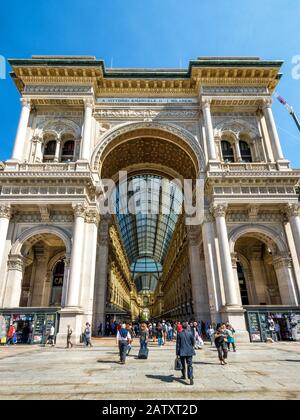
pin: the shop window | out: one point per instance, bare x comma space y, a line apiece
227, 152
57, 284
245, 152
68, 151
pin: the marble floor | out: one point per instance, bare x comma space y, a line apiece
256, 371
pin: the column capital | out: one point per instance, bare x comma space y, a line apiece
219, 210
206, 102
266, 103
293, 210
5, 211
88, 103
37, 139
26, 103
15, 262
92, 216
282, 261
234, 259
79, 209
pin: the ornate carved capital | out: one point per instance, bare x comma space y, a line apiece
15, 262
79, 210
92, 216
37, 139
234, 259
293, 210
67, 261
5, 211
282, 262
219, 210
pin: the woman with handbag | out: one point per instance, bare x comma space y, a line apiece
221, 344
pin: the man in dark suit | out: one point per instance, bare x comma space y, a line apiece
185, 350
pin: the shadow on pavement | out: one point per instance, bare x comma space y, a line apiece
167, 378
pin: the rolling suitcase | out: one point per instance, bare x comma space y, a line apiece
143, 354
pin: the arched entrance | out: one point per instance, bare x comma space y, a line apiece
35, 267
152, 155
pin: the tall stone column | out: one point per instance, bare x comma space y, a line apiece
238, 151
5, 215
101, 274
232, 298
211, 148
90, 253
288, 292
272, 129
67, 262
233, 312
198, 277
76, 256
21, 132
13, 289
87, 131
293, 212
42, 257
72, 313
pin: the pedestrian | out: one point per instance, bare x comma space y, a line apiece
185, 344
51, 336
230, 337
211, 334
100, 329
144, 337
164, 331
159, 335
123, 339
221, 344
11, 335
69, 336
88, 335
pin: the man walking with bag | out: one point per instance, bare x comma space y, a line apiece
185, 350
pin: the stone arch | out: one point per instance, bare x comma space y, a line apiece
35, 234
54, 260
169, 132
265, 234
58, 127
236, 127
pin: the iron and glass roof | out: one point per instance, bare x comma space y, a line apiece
147, 209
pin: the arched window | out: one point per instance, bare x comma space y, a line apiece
49, 151
227, 151
67, 154
245, 151
57, 283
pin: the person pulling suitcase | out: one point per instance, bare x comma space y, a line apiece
144, 338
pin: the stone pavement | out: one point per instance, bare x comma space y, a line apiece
256, 371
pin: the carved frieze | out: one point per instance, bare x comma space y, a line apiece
5, 211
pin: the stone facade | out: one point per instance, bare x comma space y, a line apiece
81, 123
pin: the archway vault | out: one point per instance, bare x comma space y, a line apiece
152, 144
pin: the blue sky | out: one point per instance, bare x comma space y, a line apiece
152, 33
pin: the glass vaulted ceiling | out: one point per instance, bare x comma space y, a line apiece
147, 208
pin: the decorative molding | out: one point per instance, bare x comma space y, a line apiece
5, 211
15, 262
58, 89
92, 216
219, 210
145, 113
248, 90
293, 210
79, 209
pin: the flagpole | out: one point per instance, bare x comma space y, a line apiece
289, 108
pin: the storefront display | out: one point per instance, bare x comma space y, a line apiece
265, 324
